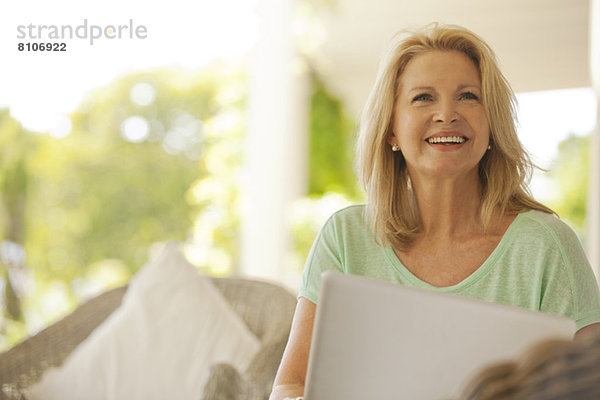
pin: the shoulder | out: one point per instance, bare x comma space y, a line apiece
547, 236
542, 225
353, 213
348, 221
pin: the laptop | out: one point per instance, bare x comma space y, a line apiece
380, 340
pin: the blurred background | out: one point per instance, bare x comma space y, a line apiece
231, 128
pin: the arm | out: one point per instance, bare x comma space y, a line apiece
588, 330
289, 381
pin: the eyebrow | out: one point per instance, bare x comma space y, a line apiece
460, 87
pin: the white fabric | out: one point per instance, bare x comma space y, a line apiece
172, 325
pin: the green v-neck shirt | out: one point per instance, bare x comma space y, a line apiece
539, 264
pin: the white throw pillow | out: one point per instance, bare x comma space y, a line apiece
172, 325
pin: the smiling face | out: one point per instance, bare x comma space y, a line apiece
439, 121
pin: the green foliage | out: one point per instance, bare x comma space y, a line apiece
331, 151
104, 197
332, 181
570, 176
15, 146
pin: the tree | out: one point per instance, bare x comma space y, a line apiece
570, 176
15, 146
331, 151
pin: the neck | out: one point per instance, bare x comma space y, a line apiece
449, 206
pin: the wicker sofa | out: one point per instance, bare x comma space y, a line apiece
267, 310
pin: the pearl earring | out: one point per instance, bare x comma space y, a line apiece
395, 147
489, 146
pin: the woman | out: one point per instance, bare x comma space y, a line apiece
447, 208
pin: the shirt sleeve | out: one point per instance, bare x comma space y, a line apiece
325, 254
573, 290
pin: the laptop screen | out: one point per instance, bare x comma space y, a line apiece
380, 340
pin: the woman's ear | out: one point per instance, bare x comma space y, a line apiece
391, 138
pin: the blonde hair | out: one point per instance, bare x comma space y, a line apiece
504, 171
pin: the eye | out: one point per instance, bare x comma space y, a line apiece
422, 97
469, 96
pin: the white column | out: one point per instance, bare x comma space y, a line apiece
593, 213
276, 144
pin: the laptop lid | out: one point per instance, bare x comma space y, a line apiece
380, 340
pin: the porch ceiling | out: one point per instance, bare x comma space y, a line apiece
541, 44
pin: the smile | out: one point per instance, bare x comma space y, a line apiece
446, 140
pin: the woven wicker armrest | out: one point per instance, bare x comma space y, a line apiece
226, 383
24, 364
264, 365
267, 310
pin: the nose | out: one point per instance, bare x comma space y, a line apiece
446, 112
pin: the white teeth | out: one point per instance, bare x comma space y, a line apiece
446, 139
